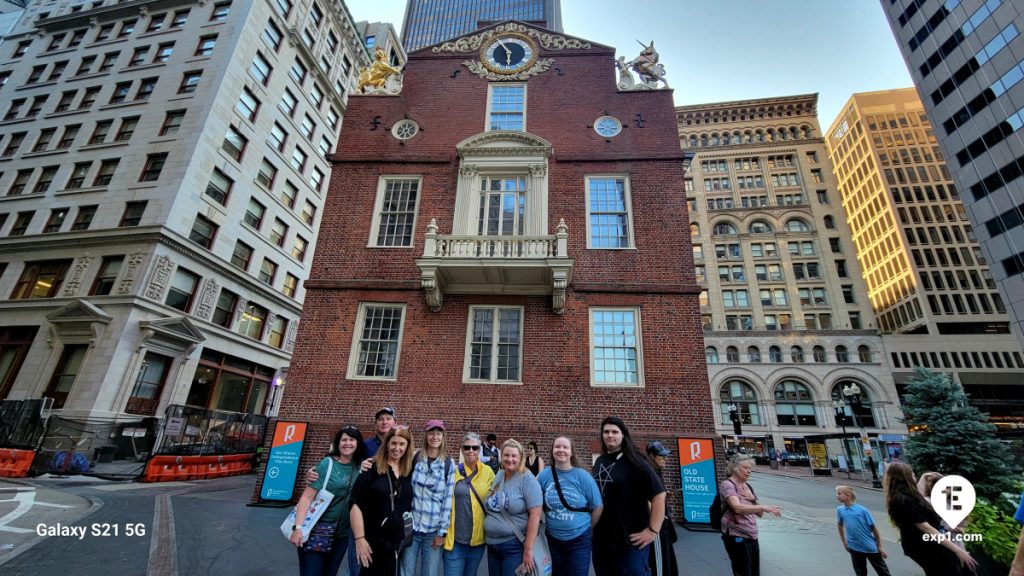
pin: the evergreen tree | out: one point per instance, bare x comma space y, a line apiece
954, 437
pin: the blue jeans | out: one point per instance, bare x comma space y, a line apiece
570, 557
504, 558
422, 549
319, 564
609, 561
353, 560
463, 560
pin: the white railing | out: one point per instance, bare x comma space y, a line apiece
496, 247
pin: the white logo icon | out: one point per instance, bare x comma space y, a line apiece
695, 450
953, 498
273, 472
289, 433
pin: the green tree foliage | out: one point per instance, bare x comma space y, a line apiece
954, 437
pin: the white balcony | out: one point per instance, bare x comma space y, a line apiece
521, 265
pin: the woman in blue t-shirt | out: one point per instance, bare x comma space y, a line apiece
572, 505
347, 450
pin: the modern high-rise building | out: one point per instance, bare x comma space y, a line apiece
928, 281
429, 22
967, 61
786, 317
163, 167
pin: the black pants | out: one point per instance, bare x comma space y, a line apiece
744, 554
935, 560
860, 563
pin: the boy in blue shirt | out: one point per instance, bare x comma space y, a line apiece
859, 535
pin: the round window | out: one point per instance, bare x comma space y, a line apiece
608, 126
405, 129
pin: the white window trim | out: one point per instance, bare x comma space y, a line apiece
378, 204
629, 210
639, 346
469, 341
490, 92
353, 357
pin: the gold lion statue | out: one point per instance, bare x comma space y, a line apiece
376, 75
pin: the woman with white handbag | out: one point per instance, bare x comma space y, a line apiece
322, 550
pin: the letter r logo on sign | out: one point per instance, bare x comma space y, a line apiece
289, 433
695, 450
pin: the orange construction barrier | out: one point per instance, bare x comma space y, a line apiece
184, 468
15, 463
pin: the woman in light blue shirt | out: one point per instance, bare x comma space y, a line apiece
572, 505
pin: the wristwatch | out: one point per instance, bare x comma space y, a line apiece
294, 527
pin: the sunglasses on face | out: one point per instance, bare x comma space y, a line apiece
469, 447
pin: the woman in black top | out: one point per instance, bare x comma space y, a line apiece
534, 463
915, 517
381, 500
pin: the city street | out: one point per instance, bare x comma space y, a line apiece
215, 533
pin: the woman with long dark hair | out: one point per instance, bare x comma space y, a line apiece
915, 518
381, 504
321, 555
634, 504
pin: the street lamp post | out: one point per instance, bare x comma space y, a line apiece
840, 409
853, 395
734, 417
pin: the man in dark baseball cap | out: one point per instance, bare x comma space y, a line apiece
385, 420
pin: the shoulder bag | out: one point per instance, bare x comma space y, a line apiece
405, 521
558, 488
317, 508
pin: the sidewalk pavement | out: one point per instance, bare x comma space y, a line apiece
855, 479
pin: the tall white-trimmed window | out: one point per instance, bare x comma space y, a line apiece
494, 345
394, 216
616, 351
377, 342
502, 206
609, 219
506, 107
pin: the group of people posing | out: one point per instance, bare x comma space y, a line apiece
397, 506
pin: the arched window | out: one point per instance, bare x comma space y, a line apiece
797, 354
794, 405
735, 137
693, 141
743, 396
819, 355
746, 137
759, 136
842, 355
760, 227
792, 133
830, 223
797, 225
732, 354
724, 229
865, 413
703, 139
714, 139
775, 355
864, 354
753, 354
711, 355
694, 230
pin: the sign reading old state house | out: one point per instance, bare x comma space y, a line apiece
501, 249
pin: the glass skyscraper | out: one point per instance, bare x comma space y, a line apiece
429, 22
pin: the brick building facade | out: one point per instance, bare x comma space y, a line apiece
526, 281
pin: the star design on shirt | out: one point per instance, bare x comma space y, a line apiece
604, 475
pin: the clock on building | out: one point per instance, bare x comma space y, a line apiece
508, 54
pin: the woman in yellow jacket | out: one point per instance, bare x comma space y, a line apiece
464, 543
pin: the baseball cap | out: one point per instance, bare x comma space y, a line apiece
432, 424
657, 448
388, 411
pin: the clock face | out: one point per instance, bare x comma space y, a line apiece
508, 54
607, 126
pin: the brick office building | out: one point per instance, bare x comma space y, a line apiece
489, 258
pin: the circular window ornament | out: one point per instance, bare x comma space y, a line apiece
405, 129
608, 126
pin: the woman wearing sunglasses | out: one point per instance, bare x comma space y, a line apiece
464, 542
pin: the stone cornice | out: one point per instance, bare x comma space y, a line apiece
776, 333
729, 149
523, 144
548, 41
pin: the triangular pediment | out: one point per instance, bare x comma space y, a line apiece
78, 311
174, 329
505, 143
547, 39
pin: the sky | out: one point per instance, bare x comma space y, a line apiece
736, 49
